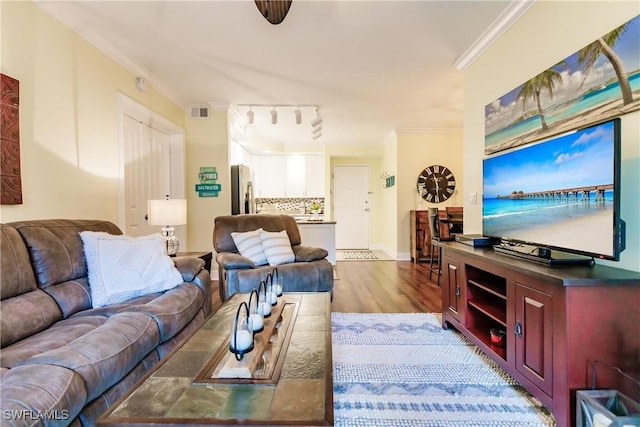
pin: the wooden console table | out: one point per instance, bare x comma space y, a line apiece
558, 320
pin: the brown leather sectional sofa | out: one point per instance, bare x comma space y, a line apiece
63, 360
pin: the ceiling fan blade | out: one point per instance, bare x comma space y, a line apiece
274, 11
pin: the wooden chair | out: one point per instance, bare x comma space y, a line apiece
455, 215
443, 225
435, 237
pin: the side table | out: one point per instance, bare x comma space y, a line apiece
205, 256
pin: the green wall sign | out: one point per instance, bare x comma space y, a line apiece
208, 186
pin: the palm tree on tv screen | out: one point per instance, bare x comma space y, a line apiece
589, 54
546, 80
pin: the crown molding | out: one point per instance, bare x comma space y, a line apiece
507, 18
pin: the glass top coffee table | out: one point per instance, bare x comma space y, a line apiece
183, 388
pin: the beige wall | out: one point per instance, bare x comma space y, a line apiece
389, 223
68, 127
68, 123
415, 152
546, 34
207, 145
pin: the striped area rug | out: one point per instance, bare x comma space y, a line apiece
405, 370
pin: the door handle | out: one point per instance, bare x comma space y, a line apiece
146, 217
366, 209
518, 329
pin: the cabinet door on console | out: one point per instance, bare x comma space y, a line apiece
534, 322
452, 288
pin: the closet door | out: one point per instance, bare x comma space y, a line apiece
147, 173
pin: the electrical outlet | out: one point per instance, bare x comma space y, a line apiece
474, 198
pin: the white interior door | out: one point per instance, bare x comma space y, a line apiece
351, 206
146, 173
152, 167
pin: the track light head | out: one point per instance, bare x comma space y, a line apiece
250, 116
274, 117
316, 135
317, 120
298, 114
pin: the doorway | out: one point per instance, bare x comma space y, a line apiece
151, 166
351, 206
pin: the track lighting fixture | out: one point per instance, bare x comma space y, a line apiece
297, 109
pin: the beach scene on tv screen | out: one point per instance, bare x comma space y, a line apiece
555, 193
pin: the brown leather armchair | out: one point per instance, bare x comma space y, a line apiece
310, 272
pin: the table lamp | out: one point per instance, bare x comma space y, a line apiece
168, 212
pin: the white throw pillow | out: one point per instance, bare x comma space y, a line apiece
124, 267
249, 245
277, 247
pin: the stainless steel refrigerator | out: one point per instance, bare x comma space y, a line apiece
242, 201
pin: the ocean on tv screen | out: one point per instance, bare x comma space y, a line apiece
583, 226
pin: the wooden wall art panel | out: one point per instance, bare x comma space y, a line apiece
10, 180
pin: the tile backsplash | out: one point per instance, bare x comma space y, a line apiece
289, 205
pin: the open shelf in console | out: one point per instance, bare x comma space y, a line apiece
481, 330
486, 298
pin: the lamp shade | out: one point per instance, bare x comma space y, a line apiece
167, 212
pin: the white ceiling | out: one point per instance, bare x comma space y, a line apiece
371, 66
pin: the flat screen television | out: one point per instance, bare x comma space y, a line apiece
559, 194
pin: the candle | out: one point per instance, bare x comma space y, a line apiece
272, 298
243, 340
264, 308
258, 322
278, 287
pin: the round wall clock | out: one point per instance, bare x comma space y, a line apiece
436, 183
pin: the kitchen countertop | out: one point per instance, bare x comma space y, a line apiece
301, 218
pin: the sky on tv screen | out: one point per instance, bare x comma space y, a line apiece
578, 159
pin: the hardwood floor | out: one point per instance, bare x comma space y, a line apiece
379, 287
384, 287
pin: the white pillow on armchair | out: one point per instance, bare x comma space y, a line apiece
277, 247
